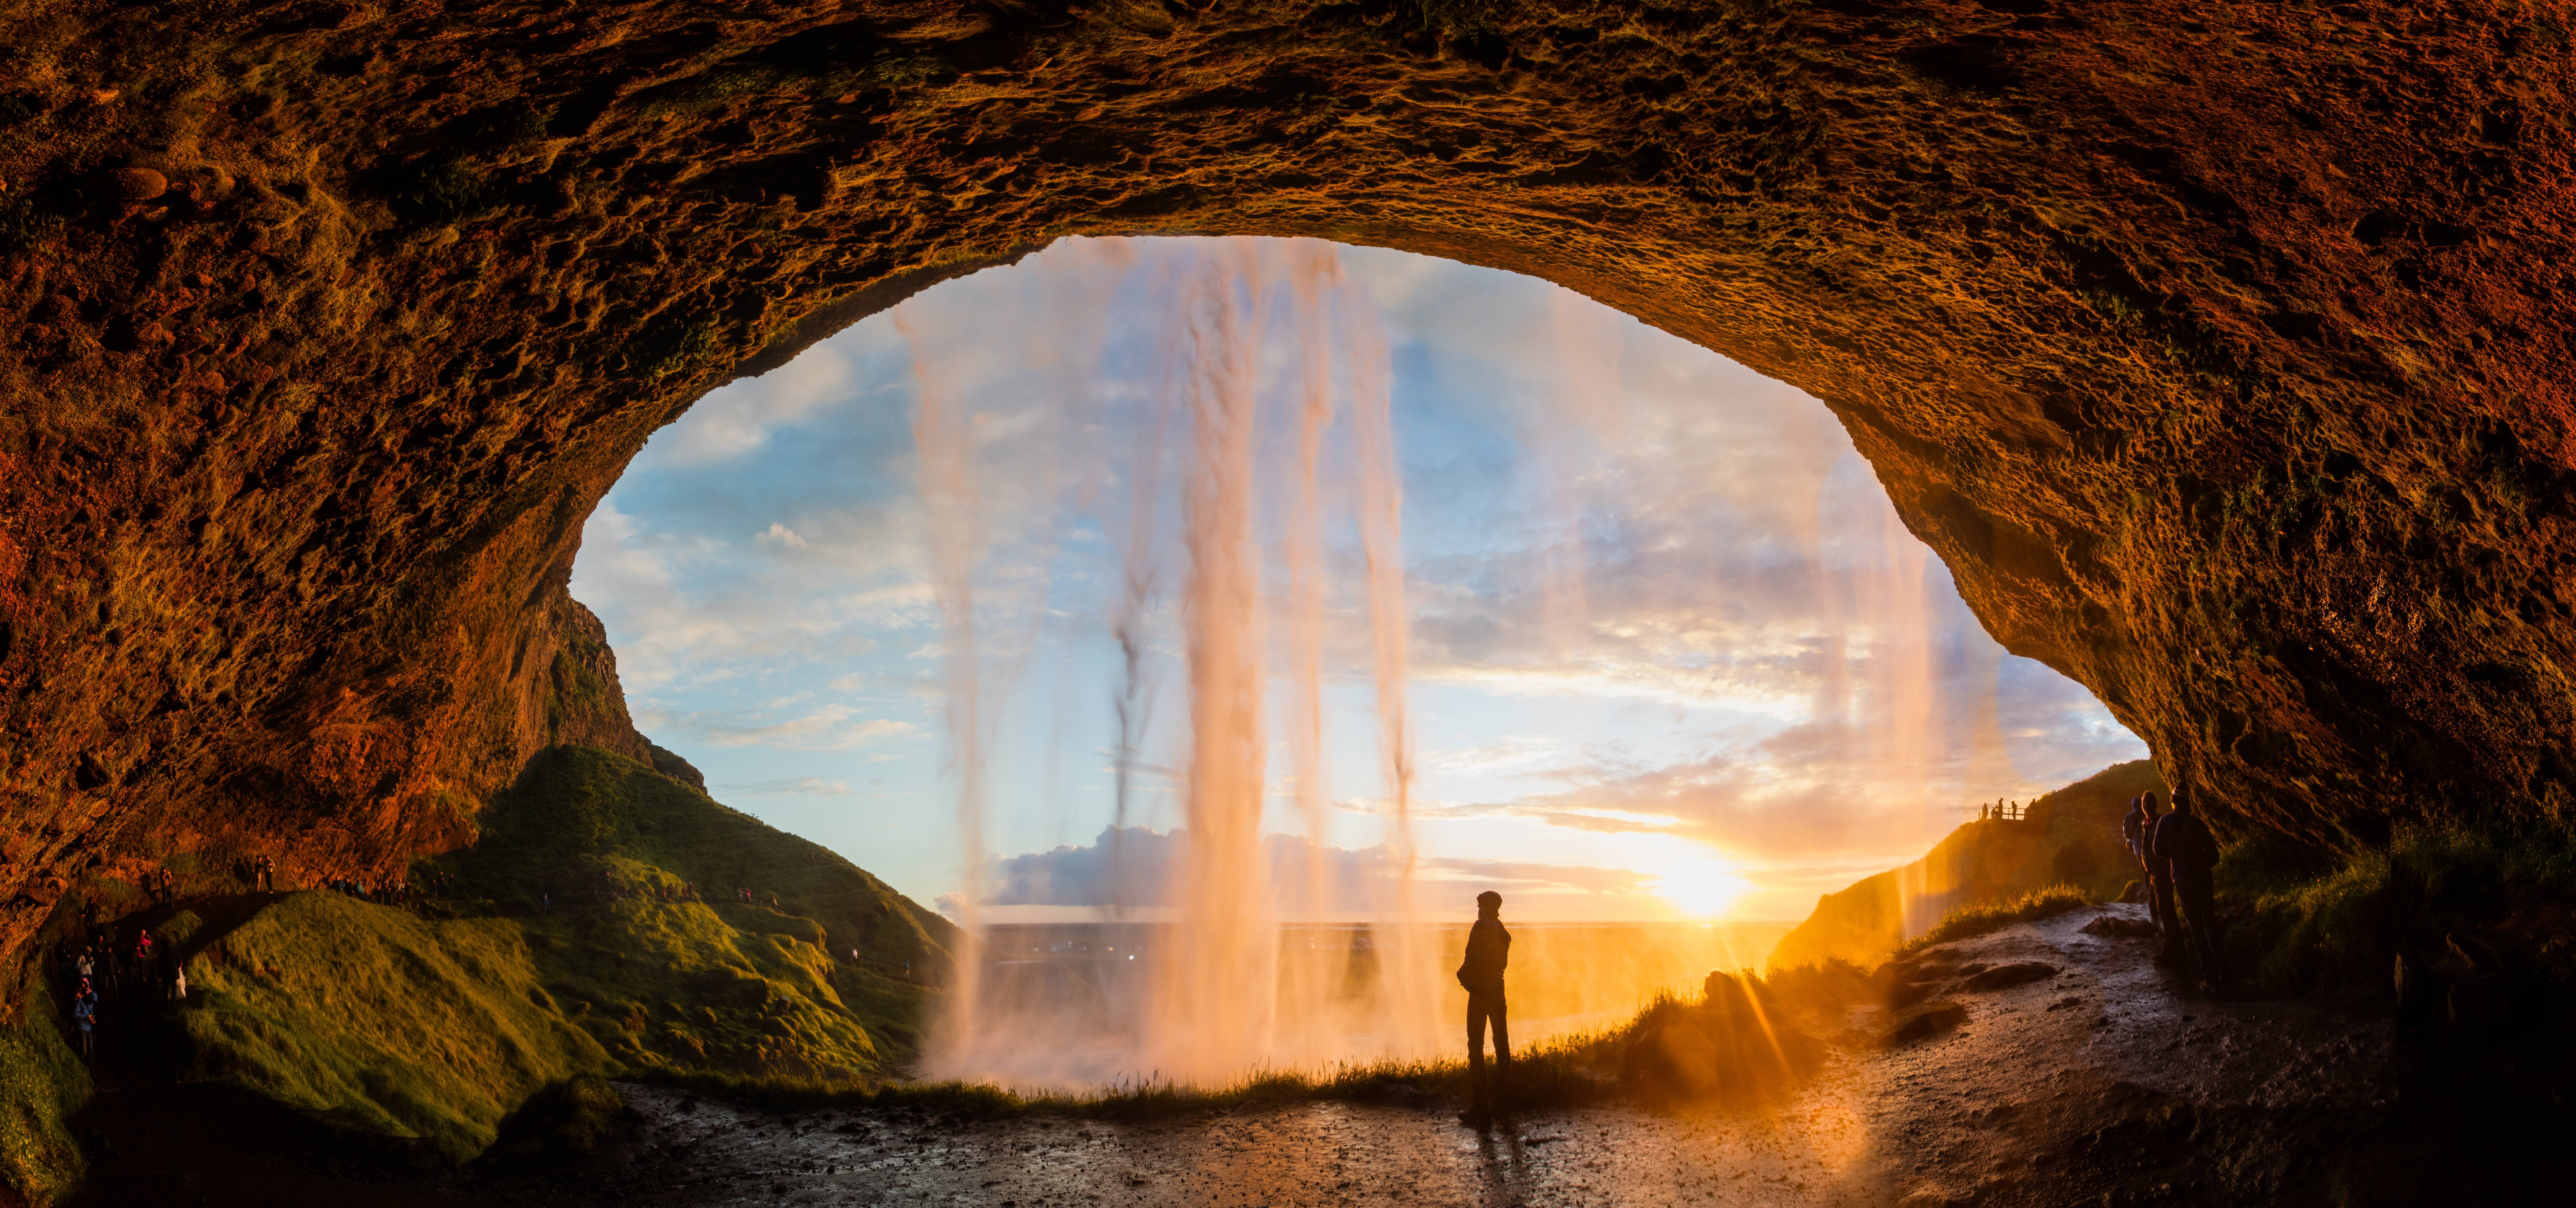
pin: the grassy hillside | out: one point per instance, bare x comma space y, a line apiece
436, 1022
375, 1019
704, 983
2071, 837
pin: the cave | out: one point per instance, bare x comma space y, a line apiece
2213, 347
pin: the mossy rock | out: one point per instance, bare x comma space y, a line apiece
493, 1025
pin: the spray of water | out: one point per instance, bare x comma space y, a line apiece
1220, 486
1214, 997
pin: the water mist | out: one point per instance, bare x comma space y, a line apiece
1213, 997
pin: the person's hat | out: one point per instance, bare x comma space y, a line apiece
1489, 899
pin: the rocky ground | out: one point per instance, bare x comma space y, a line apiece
2098, 1082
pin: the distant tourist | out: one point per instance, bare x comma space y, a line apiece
179, 985
2190, 854
85, 1016
1489, 949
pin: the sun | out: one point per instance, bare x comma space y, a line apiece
1702, 889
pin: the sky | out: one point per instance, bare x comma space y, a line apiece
1667, 651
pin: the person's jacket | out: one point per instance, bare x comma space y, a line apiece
84, 1009
2134, 829
1489, 948
2183, 843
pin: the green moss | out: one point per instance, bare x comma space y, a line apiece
372, 1018
703, 986
567, 1119
2305, 934
449, 1029
41, 1083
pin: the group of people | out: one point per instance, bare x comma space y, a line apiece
382, 893
97, 969
2178, 855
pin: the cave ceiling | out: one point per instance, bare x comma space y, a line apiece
2217, 348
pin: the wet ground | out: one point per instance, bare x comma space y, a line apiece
2097, 1084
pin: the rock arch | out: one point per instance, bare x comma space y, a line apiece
2212, 346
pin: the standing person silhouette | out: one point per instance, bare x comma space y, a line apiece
2183, 845
1489, 949
2139, 827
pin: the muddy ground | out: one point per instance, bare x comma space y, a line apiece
2099, 1084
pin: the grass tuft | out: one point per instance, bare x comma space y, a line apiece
2298, 922
1967, 922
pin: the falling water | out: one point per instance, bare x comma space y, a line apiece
1250, 489
1216, 1001
943, 434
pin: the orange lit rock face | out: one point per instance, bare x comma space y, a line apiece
2218, 349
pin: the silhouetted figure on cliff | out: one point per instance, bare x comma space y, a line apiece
1489, 949
2189, 853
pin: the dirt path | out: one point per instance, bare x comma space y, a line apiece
2097, 1085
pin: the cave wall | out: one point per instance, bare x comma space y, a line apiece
2215, 347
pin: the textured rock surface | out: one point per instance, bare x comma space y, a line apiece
2216, 347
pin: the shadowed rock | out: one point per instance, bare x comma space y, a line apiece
1923, 1022
2112, 926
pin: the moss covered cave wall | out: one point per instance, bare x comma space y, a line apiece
2218, 348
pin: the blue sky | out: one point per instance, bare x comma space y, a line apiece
1671, 653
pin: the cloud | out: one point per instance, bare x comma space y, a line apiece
800, 786
1137, 867
830, 728
780, 535
1528, 877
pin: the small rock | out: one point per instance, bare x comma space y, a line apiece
137, 184
1925, 1022
2113, 926
58, 310
2004, 977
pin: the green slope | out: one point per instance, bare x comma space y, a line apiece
439, 1022
599, 833
375, 1019
2071, 837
